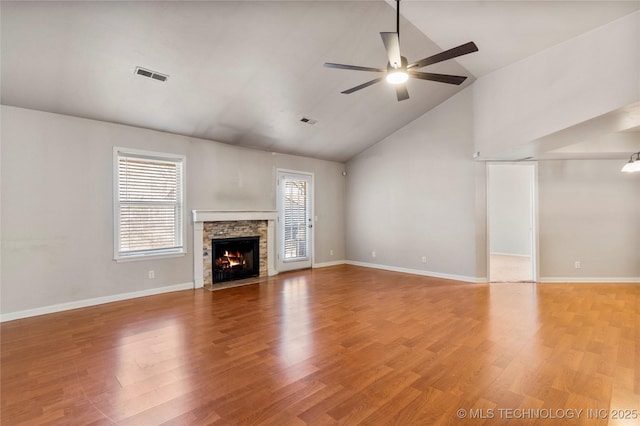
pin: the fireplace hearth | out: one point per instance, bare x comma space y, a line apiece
235, 258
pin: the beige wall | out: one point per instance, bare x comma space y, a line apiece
414, 194
57, 213
589, 212
583, 78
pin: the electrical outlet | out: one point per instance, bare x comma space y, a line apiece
577, 264
330, 252
373, 254
152, 274
424, 259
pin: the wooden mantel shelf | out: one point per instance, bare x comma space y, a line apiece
224, 215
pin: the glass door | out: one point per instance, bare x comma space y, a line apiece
295, 223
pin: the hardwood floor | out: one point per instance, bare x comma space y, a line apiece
338, 345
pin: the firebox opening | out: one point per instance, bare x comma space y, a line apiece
235, 258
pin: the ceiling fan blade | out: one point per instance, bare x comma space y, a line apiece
353, 67
401, 92
463, 49
442, 78
363, 85
392, 46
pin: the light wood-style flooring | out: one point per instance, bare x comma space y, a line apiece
508, 268
337, 345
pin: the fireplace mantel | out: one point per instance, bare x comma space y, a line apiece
201, 216
224, 215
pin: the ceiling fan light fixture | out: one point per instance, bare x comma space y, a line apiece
399, 70
632, 165
397, 77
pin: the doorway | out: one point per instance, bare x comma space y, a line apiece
511, 214
295, 225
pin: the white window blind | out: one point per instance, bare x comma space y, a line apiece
295, 219
149, 204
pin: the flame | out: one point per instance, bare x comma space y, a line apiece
230, 259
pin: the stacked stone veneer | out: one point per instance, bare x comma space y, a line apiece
232, 229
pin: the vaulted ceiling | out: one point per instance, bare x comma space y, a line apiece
246, 72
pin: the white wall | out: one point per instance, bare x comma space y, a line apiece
582, 78
481, 221
413, 195
57, 214
510, 209
589, 212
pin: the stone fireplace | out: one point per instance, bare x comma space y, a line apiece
237, 239
235, 259
229, 227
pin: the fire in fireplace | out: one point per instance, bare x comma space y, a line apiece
235, 258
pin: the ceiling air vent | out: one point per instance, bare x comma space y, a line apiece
151, 74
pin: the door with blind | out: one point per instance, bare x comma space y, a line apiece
295, 223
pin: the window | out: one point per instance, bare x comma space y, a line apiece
148, 203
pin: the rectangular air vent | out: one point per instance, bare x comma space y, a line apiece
151, 74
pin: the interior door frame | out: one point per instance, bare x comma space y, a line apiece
535, 239
290, 266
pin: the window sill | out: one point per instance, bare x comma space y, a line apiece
149, 257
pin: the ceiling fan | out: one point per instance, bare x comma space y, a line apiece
399, 70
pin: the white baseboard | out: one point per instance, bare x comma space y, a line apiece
419, 272
92, 302
626, 280
325, 264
